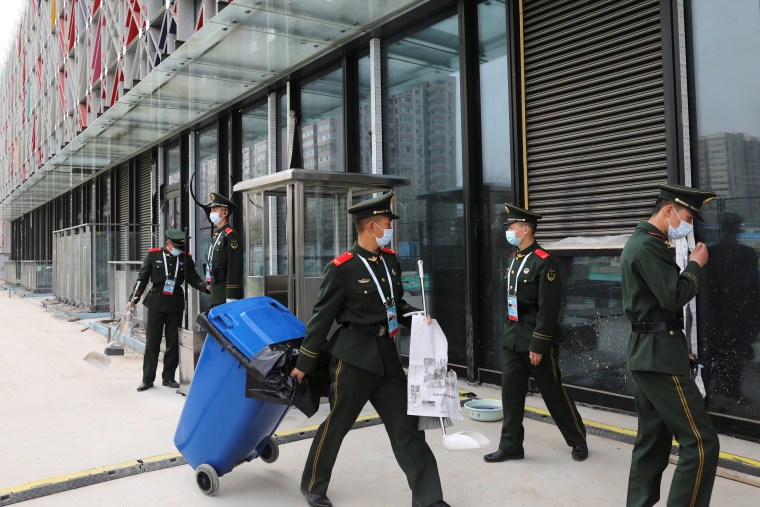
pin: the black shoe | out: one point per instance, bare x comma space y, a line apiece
315, 500
144, 386
580, 452
170, 383
439, 503
502, 455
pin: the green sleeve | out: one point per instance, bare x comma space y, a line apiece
672, 290
234, 267
192, 275
549, 295
142, 279
329, 303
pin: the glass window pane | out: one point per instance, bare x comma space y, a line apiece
495, 142
255, 142
727, 77
424, 141
322, 122
206, 181
365, 117
172, 165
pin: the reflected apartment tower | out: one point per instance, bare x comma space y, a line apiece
319, 141
422, 138
729, 165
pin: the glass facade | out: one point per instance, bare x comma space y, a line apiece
422, 141
424, 145
727, 78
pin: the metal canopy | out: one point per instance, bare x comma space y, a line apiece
247, 45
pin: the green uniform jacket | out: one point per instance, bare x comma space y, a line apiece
654, 291
348, 295
226, 262
539, 293
153, 270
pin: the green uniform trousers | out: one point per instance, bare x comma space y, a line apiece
671, 406
514, 386
158, 324
350, 389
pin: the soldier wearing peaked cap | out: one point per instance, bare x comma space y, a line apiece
668, 401
362, 292
530, 341
165, 268
224, 261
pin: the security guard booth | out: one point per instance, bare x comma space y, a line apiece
295, 222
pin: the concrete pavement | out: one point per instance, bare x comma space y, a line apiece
61, 416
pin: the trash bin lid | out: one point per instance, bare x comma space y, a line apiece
254, 323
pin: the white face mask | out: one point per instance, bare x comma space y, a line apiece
385, 240
512, 238
683, 229
175, 251
215, 217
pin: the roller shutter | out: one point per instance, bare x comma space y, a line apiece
146, 175
595, 113
122, 192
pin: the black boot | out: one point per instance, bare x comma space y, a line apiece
315, 500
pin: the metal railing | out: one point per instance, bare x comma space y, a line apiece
81, 256
35, 276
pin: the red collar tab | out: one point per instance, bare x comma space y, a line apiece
155, 249
657, 235
187, 253
388, 251
541, 253
343, 258
228, 230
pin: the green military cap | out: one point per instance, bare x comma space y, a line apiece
220, 200
176, 236
514, 214
373, 207
691, 198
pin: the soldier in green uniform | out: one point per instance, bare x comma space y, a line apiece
165, 268
362, 292
224, 262
667, 399
530, 342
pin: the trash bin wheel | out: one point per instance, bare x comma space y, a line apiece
270, 453
207, 479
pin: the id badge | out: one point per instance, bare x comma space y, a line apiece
208, 273
512, 306
169, 287
392, 321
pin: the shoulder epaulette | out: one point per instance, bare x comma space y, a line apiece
228, 230
188, 254
541, 253
388, 251
657, 235
154, 250
343, 258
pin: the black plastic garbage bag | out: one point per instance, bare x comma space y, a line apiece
269, 379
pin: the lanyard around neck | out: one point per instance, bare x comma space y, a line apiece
213, 245
517, 277
372, 274
166, 266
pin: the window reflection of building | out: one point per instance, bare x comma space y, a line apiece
728, 160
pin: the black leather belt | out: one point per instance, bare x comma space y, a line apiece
655, 327
371, 329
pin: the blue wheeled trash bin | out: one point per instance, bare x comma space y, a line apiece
220, 427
